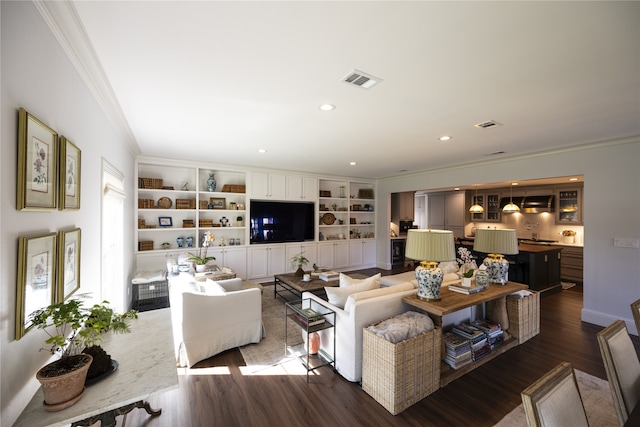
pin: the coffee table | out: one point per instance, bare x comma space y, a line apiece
290, 283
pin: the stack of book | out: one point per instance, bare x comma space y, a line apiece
329, 275
492, 329
464, 290
457, 350
478, 339
308, 317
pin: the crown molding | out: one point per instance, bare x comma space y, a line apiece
65, 24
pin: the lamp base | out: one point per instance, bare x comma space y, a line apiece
498, 268
429, 278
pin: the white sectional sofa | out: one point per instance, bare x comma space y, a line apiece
361, 310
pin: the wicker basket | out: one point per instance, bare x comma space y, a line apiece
145, 204
150, 183
188, 223
399, 375
524, 316
234, 188
185, 203
145, 245
205, 223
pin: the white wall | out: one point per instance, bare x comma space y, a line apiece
37, 75
611, 209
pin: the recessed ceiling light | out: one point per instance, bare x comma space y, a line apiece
327, 107
445, 138
352, 163
262, 150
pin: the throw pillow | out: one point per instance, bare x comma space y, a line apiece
210, 287
338, 296
346, 281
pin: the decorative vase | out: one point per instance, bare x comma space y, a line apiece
429, 278
190, 242
211, 182
482, 278
299, 272
180, 241
62, 391
314, 343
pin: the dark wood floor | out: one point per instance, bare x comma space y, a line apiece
480, 398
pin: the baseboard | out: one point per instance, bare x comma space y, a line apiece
603, 319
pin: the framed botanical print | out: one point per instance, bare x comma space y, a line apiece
69, 188
37, 164
36, 277
68, 263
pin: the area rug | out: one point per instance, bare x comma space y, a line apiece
597, 399
269, 356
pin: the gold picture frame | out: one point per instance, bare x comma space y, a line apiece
37, 256
218, 202
69, 249
69, 189
37, 164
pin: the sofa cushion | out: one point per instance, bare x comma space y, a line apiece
210, 287
346, 281
229, 285
338, 296
406, 286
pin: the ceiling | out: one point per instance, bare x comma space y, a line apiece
217, 81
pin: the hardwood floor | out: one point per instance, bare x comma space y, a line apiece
215, 392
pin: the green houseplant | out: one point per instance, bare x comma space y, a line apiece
74, 333
299, 261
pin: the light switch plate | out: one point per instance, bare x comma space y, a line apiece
622, 242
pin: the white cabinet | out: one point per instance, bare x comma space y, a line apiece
232, 257
436, 211
362, 252
302, 188
266, 260
447, 212
310, 251
333, 254
268, 186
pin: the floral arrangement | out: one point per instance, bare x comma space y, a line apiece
202, 258
466, 261
568, 233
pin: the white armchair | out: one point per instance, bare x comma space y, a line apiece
208, 319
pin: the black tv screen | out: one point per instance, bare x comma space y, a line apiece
279, 222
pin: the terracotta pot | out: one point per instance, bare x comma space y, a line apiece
64, 390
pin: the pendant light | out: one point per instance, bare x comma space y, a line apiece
476, 208
511, 208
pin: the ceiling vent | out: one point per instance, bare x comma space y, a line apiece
488, 125
360, 79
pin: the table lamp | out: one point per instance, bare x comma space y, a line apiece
430, 247
496, 243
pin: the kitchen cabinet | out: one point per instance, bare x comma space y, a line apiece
537, 266
266, 260
476, 199
333, 254
302, 188
402, 206
447, 212
362, 252
435, 203
569, 202
493, 212
268, 186
571, 264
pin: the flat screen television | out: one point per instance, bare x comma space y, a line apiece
280, 222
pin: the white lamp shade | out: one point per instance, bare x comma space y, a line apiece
496, 241
430, 245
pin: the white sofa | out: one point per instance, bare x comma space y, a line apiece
361, 310
211, 317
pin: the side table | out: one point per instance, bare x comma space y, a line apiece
311, 317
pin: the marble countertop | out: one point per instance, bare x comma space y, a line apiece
147, 366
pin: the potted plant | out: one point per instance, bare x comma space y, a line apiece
201, 259
467, 265
70, 328
299, 261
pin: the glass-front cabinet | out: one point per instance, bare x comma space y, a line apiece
493, 208
569, 209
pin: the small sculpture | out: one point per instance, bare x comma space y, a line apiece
224, 221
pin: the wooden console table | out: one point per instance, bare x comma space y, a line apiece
453, 301
147, 366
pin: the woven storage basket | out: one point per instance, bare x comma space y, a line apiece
146, 204
185, 203
233, 188
524, 316
399, 375
145, 245
152, 183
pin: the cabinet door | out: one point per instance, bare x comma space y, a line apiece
302, 188
492, 212
277, 186
258, 262
268, 186
236, 259
355, 253
407, 206
436, 211
569, 206
454, 210
325, 255
341, 255
277, 260
259, 185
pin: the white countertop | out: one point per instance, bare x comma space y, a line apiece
147, 366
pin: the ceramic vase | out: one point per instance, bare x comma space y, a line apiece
200, 268
429, 278
211, 182
180, 241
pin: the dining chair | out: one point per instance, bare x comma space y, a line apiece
554, 399
635, 309
622, 366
